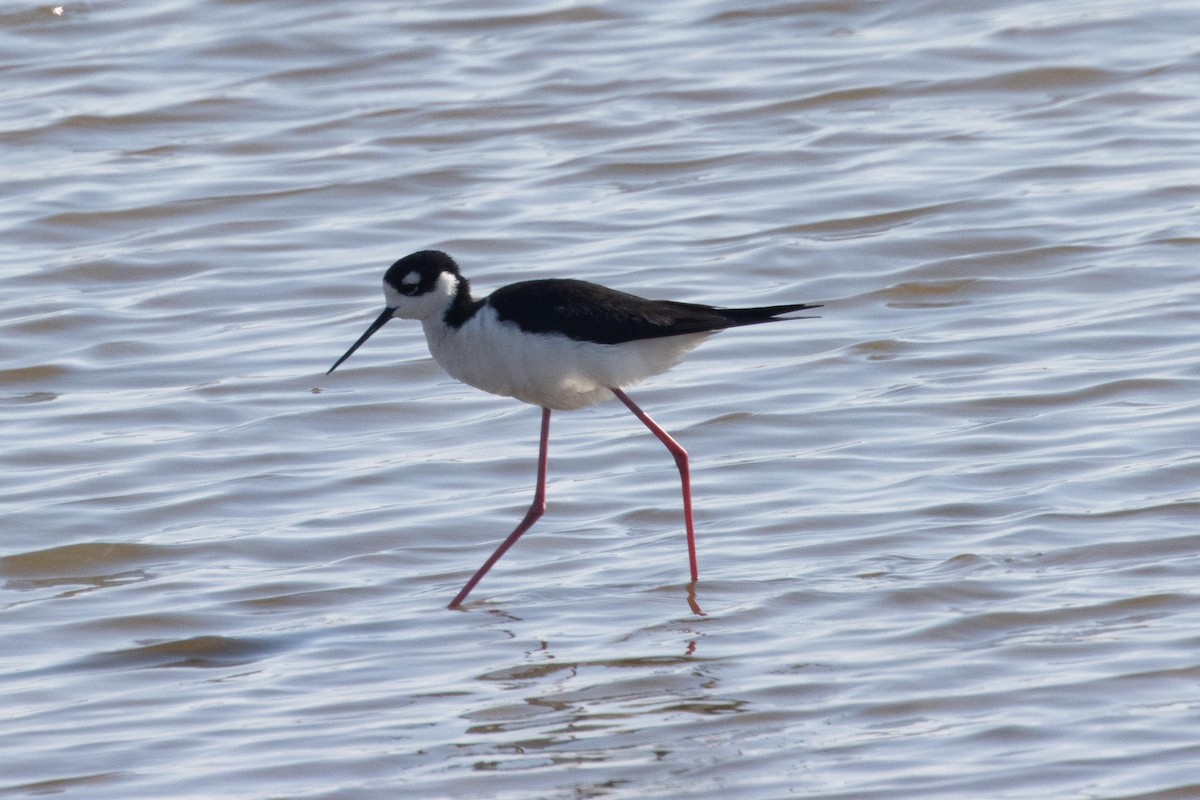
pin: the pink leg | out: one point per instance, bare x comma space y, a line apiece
681, 461
531, 516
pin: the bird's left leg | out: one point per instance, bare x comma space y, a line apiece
536, 509
681, 461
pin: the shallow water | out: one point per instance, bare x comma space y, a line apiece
947, 532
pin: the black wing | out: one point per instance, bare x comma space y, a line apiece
588, 312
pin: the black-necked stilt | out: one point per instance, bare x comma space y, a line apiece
555, 343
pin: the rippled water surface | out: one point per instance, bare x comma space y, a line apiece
948, 531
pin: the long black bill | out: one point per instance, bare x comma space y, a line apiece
379, 322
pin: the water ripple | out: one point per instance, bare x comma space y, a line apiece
946, 530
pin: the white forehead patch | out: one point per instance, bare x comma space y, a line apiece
411, 279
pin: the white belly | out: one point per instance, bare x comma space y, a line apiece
547, 370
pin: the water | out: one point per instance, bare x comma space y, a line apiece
947, 532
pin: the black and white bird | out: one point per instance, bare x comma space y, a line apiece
556, 343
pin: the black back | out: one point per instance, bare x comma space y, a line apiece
589, 312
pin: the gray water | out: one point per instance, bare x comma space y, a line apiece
947, 532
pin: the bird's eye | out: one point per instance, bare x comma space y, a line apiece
410, 282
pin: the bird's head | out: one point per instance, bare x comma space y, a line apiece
420, 286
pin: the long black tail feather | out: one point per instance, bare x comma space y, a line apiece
751, 316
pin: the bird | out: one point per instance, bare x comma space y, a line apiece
556, 343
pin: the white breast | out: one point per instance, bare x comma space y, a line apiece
545, 369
